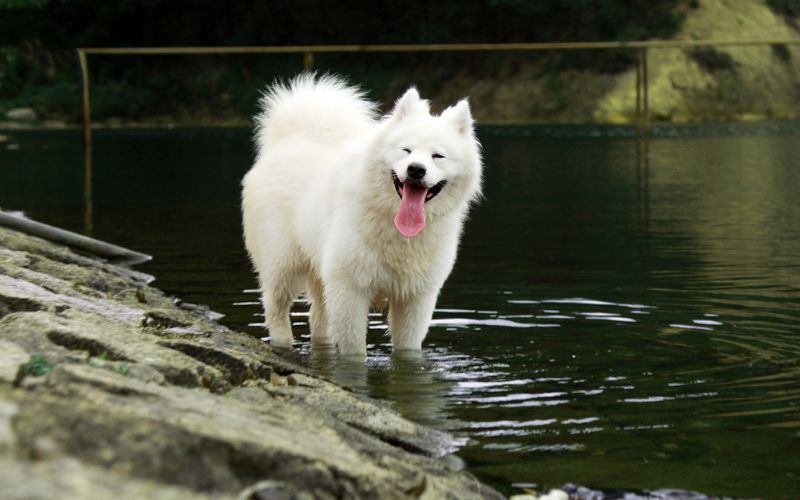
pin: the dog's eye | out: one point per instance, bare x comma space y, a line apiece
437, 156
407, 150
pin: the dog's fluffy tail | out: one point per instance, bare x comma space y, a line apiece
323, 108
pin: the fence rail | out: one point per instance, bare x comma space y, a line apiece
641, 49
442, 47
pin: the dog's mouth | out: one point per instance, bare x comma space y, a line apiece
432, 191
410, 217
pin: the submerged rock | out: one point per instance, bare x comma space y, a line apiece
109, 388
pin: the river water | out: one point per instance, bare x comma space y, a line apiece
620, 317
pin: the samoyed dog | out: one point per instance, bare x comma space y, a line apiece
356, 210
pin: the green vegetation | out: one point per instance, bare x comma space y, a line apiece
38, 66
107, 362
37, 366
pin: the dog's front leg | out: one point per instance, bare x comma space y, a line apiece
347, 310
409, 318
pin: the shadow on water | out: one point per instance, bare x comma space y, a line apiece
618, 318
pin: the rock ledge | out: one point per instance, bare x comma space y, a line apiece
110, 389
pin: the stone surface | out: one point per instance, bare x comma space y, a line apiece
22, 115
109, 388
13, 359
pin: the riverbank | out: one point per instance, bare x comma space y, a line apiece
110, 388
700, 84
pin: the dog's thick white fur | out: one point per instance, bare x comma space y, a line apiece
355, 209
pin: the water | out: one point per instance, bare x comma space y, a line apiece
612, 322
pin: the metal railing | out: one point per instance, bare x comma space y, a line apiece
641, 48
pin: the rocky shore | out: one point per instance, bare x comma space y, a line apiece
111, 389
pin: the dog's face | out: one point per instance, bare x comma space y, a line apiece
431, 163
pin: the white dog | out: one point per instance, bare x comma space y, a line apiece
354, 209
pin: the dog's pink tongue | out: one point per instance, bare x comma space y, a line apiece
410, 218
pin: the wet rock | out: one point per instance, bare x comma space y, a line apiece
22, 115
576, 492
135, 395
386, 425
553, 494
274, 490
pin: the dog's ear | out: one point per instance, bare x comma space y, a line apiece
460, 116
409, 103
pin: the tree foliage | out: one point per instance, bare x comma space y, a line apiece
37, 63
66, 24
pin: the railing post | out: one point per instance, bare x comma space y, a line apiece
645, 94
638, 116
308, 61
87, 113
88, 198
642, 95
88, 192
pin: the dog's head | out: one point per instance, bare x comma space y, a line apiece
431, 163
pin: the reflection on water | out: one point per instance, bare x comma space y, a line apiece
610, 322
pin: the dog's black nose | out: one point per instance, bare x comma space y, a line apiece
416, 171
